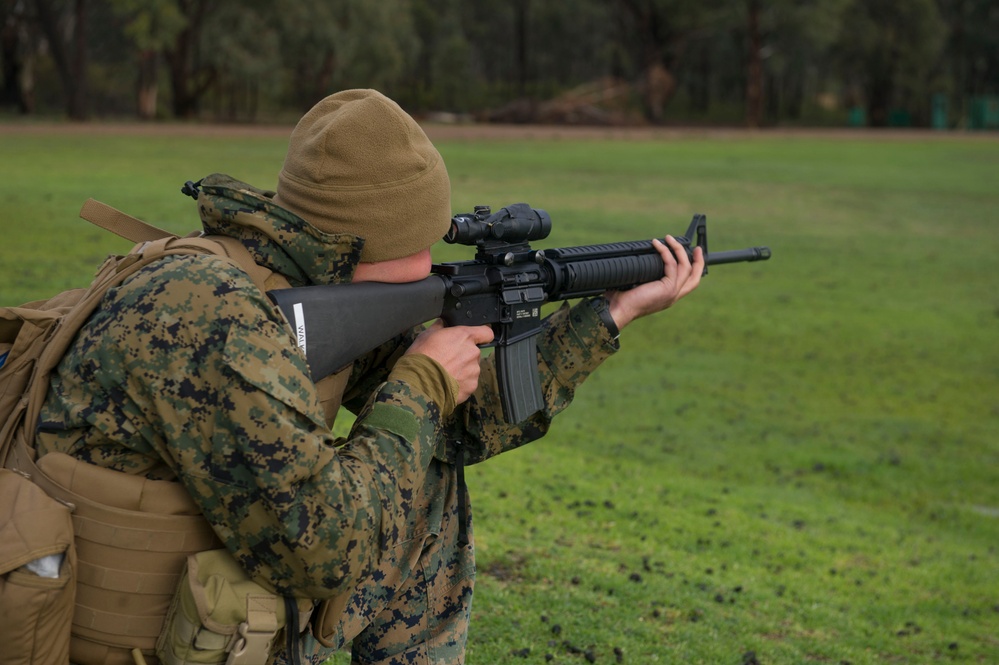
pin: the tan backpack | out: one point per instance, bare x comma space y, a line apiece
36, 608
34, 336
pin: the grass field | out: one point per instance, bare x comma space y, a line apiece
798, 464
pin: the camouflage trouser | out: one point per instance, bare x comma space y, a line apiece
415, 607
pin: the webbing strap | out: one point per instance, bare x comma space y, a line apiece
126, 581
132, 228
119, 629
111, 527
120, 223
256, 633
238, 252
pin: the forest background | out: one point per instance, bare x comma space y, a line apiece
926, 63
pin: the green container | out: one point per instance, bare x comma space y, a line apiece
938, 112
899, 118
983, 113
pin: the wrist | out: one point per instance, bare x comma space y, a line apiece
428, 378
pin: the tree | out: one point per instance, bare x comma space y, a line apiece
754, 65
309, 32
190, 77
376, 45
350, 43
800, 34
970, 60
65, 29
785, 41
240, 45
890, 47
16, 56
443, 75
150, 25
657, 34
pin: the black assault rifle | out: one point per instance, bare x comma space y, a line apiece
504, 286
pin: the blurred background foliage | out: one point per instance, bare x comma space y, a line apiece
928, 63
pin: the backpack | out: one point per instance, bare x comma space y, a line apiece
36, 609
34, 336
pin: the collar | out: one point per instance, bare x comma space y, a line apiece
276, 238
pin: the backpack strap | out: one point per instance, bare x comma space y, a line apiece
237, 252
132, 228
121, 223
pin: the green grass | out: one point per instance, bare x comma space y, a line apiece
798, 461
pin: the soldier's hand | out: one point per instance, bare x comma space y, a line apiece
680, 277
456, 349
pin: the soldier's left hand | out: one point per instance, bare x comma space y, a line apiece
680, 277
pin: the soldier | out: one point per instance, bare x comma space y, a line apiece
187, 372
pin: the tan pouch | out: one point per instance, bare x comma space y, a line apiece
220, 615
36, 610
132, 537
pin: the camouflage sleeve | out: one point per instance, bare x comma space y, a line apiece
208, 369
573, 343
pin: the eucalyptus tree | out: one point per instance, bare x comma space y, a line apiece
18, 54
656, 34
891, 49
445, 74
152, 27
64, 25
327, 45
970, 62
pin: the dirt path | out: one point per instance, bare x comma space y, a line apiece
480, 132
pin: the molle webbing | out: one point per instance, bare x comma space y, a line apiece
133, 537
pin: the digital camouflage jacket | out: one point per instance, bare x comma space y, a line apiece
188, 372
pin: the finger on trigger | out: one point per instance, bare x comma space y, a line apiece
482, 334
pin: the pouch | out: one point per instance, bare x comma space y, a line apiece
219, 615
36, 611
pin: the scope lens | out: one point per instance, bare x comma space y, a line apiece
465, 230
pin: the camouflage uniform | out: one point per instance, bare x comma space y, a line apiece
187, 371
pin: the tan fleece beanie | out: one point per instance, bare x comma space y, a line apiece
357, 163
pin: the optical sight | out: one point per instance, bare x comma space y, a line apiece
513, 224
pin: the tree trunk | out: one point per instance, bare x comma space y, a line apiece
147, 87
15, 66
658, 49
878, 100
520, 39
72, 74
880, 86
754, 68
188, 82
178, 60
701, 84
78, 100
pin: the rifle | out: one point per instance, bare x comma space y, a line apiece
504, 286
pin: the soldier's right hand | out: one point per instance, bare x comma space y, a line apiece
456, 349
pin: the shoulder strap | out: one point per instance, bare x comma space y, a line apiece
132, 228
120, 223
240, 255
